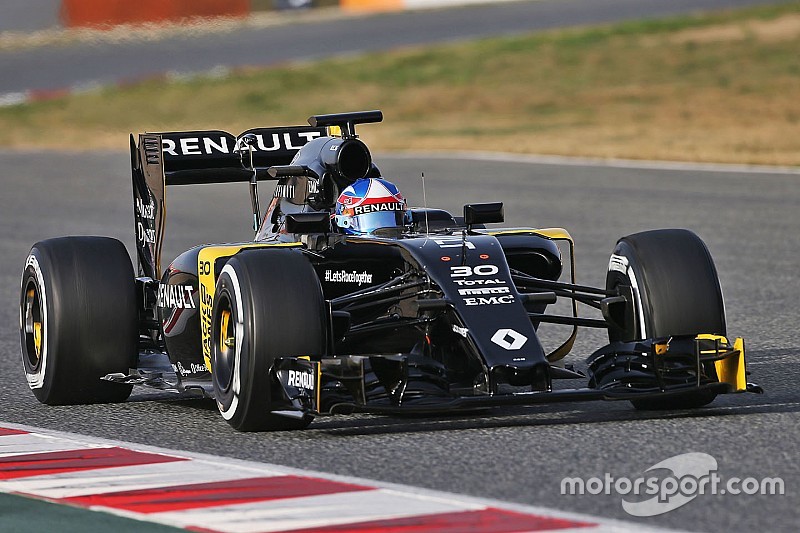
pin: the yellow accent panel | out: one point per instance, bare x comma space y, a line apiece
37, 338
723, 341
555, 233
710, 337
562, 234
225, 320
732, 369
207, 281
550, 233
335, 131
318, 383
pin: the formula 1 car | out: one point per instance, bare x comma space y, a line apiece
441, 315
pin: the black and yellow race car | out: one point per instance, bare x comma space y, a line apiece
440, 314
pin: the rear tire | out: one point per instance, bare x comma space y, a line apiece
78, 320
267, 304
676, 292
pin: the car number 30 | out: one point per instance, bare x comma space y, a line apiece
467, 271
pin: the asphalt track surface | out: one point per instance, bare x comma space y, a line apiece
749, 220
101, 62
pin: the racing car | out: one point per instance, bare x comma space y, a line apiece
425, 313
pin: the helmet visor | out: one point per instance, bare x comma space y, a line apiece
369, 222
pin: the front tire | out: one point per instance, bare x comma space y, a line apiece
676, 292
78, 320
267, 304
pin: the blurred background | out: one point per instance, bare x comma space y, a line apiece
687, 80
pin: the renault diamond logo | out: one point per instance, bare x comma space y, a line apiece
509, 339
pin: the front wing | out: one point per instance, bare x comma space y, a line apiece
656, 368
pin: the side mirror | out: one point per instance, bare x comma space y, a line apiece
305, 223
483, 213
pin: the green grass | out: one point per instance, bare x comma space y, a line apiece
29, 515
720, 87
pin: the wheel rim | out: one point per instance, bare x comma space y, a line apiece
224, 346
34, 332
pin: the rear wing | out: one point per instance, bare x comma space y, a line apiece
194, 157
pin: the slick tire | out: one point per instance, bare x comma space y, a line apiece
78, 320
267, 304
676, 292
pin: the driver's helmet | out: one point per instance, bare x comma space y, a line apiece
368, 205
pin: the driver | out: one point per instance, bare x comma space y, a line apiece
370, 206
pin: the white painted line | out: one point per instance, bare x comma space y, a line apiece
752, 406
9, 99
26, 444
439, 4
596, 162
328, 510
137, 477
